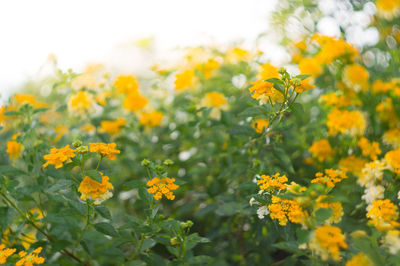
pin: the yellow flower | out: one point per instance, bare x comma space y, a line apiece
61, 131
209, 67
98, 192
268, 71
101, 98
237, 54
31, 258
57, 157
392, 137
162, 186
5, 253
134, 101
356, 77
388, 9
126, 84
151, 119
107, 150
21, 98
80, 102
286, 210
321, 150
334, 100
387, 113
330, 178
14, 149
184, 80
378, 86
260, 125
89, 128
304, 86
336, 207
383, 214
327, 242
215, 99
332, 48
265, 92
353, 164
369, 149
360, 260
310, 66
392, 241
112, 127
346, 122
272, 182
393, 160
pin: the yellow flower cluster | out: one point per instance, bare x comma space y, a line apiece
126, 84
80, 102
336, 207
162, 186
330, 178
5, 253
215, 99
57, 157
346, 122
265, 92
383, 214
321, 150
388, 9
14, 149
107, 150
353, 164
335, 100
260, 125
392, 138
21, 98
327, 242
286, 210
98, 192
185, 80
356, 77
332, 48
112, 127
209, 67
31, 258
151, 119
272, 182
360, 260
393, 160
369, 149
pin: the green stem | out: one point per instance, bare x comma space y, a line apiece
98, 165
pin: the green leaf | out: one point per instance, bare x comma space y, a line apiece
290, 246
42, 109
323, 214
203, 260
61, 184
254, 111
106, 229
284, 159
147, 243
302, 77
103, 211
79, 206
8, 170
11, 113
241, 130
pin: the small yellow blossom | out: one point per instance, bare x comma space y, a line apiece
305, 85
360, 260
209, 67
322, 150
268, 71
286, 210
184, 80
335, 100
102, 97
31, 258
151, 119
272, 182
388, 9
310, 66
330, 178
21, 98
14, 149
383, 214
5, 253
387, 112
336, 207
351, 123
356, 77
260, 125
392, 241
215, 99
392, 138
162, 186
112, 127
327, 242
126, 84
107, 150
353, 164
134, 101
84, 81
369, 149
265, 92
80, 102
393, 160
98, 192
378, 86
57, 157
237, 54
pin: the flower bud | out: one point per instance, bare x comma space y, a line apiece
168, 162
82, 149
296, 82
282, 70
174, 241
145, 163
77, 143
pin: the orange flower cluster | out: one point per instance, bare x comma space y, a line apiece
31, 258
284, 210
272, 182
98, 192
107, 150
57, 157
162, 186
330, 178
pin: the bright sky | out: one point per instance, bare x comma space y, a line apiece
82, 31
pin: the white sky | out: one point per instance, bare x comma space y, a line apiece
82, 31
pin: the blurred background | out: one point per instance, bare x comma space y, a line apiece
130, 36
